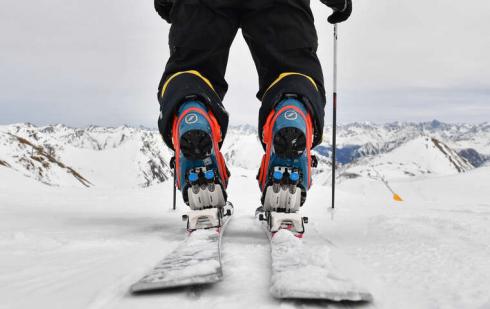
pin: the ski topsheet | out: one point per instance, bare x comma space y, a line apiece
197, 260
301, 272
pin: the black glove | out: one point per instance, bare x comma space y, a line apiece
163, 8
341, 10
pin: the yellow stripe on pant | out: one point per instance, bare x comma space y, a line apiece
286, 74
164, 88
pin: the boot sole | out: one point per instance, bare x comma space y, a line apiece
289, 143
196, 145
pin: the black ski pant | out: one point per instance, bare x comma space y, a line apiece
281, 37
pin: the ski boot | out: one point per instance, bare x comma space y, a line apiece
200, 170
285, 173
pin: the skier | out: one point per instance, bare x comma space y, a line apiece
193, 121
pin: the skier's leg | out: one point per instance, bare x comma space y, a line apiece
199, 40
193, 121
283, 42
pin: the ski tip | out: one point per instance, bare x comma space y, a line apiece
154, 287
349, 296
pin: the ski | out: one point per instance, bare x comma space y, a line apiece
299, 272
197, 260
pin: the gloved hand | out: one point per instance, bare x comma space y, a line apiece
341, 10
163, 8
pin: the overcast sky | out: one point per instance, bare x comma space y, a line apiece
100, 61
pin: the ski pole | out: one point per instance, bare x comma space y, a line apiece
172, 165
175, 185
334, 124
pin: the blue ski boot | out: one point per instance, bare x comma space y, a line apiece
201, 173
285, 173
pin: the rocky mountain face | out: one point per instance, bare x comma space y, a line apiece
38, 161
99, 155
125, 156
474, 157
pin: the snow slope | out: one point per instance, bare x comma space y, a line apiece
420, 156
76, 247
37, 161
110, 157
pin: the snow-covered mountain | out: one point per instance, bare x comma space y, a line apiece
242, 147
39, 161
419, 156
128, 157
366, 139
103, 156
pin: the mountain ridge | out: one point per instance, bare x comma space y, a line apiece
136, 156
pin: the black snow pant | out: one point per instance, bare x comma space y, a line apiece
282, 39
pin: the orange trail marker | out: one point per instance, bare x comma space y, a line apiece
397, 198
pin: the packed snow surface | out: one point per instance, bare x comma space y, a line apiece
78, 247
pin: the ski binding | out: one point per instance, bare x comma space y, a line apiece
203, 190
276, 221
206, 218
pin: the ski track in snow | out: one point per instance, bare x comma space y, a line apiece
83, 248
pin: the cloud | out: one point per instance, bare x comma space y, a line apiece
84, 62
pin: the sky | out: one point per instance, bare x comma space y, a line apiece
100, 61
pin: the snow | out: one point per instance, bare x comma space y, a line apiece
65, 245
239, 147
420, 156
105, 157
83, 247
458, 136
